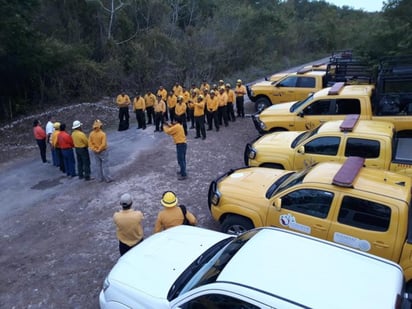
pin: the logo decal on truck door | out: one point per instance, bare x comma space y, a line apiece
351, 241
290, 222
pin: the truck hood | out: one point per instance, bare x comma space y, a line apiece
277, 109
249, 184
263, 84
148, 271
276, 141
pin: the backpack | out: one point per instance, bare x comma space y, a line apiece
185, 221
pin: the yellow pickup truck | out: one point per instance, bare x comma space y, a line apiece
359, 207
334, 141
334, 103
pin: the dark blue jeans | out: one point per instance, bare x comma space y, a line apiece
181, 157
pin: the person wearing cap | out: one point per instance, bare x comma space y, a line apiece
176, 131
98, 146
220, 84
159, 110
194, 89
81, 144
212, 105
171, 215
40, 137
65, 142
231, 97
150, 100
190, 112
129, 230
123, 102
55, 145
222, 109
199, 114
139, 108
240, 92
171, 105
180, 113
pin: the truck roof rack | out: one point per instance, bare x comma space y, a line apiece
349, 123
348, 172
348, 71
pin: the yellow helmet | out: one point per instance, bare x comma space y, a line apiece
97, 124
56, 125
169, 199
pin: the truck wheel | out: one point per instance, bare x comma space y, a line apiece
236, 225
273, 165
261, 104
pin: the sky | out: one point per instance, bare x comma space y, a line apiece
366, 5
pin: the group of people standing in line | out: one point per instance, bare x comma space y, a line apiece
65, 146
214, 106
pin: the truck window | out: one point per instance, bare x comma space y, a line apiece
306, 82
288, 82
347, 106
365, 148
310, 202
327, 145
321, 107
364, 214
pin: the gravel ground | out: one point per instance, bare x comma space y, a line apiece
58, 239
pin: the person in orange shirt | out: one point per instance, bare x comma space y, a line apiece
40, 137
66, 145
123, 102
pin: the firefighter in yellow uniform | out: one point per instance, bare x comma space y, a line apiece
159, 109
222, 109
163, 92
212, 105
150, 100
231, 98
199, 114
171, 104
123, 102
180, 113
240, 92
139, 107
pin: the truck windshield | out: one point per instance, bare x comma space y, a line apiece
304, 136
302, 103
287, 181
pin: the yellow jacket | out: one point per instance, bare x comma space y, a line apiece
176, 131
97, 140
123, 100
171, 101
177, 90
150, 99
163, 93
54, 137
180, 109
128, 226
199, 108
222, 98
231, 96
80, 139
212, 104
160, 106
170, 217
139, 103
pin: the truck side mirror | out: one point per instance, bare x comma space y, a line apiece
301, 114
301, 149
277, 203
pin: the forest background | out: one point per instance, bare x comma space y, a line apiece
55, 52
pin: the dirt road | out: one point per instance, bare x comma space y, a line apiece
57, 236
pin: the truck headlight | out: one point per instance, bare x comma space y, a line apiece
252, 153
216, 198
106, 284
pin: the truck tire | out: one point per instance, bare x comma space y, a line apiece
273, 165
235, 225
261, 104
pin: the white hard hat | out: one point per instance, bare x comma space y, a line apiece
76, 124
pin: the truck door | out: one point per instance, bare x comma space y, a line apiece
314, 114
304, 86
371, 149
317, 149
303, 210
284, 90
366, 225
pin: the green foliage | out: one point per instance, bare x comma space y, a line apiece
54, 51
